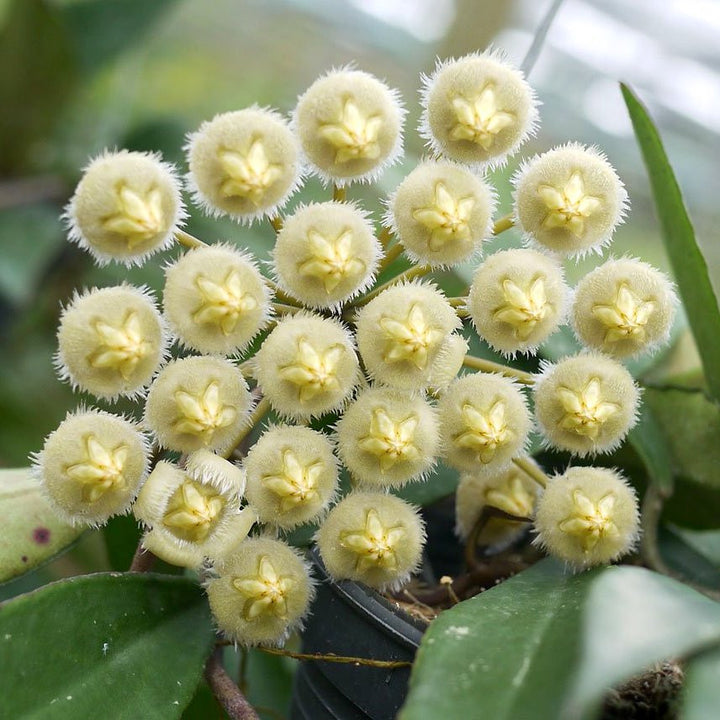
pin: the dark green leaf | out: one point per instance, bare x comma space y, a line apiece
506, 654
688, 263
651, 445
204, 705
702, 687
686, 560
122, 535
109, 645
545, 644
102, 29
441, 482
633, 618
31, 530
693, 506
690, 424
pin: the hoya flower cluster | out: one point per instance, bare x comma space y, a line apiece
259, 393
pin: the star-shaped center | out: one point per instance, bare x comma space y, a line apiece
375, 544
331, 260
447, 217
296, 483
486, 430
101, 469
411, 339
223, 303
523, 308
568, 206
626, 317
313, 371
511, 496
353, 135
265, 592
202, 413
389, 440
247, 175
585, 410
120, 348
590, 521
138, 216
193, 510
479, 119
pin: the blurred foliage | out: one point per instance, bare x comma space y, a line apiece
81, 75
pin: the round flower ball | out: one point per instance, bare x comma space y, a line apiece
569, 200
517, 299
373, 538
92, 466
198, 402
624, 308
326, 254
126, 207
292, 475
586, 403
111, 341
350, 126
215, 299
387, 438
262, 593
441, 213
484, 422
244, 163
401, 332
588, 516
477, 109
307, 366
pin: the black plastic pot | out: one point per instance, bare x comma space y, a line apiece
349, 619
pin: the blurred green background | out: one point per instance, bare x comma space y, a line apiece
78, 76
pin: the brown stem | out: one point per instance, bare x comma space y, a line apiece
480, 577
409, 274
143, 560
339, 193
347, 659
226, 691
487, 514
277, 223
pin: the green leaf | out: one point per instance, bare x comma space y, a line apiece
693, 506
687, 261
443, 481
31, 530
650, 444
108, 645
632, 619
546, 644
688, 561
506, 654
690, 424
32, 236
102, 29
702, 687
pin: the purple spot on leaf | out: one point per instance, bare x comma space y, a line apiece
41, 535
24, 558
